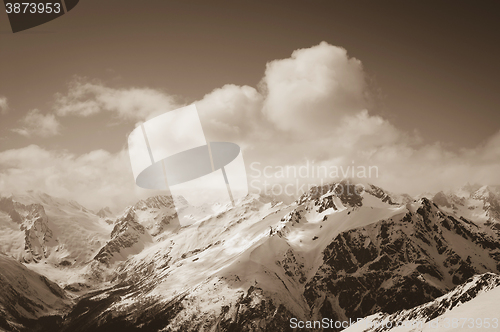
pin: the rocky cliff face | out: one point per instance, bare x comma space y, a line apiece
37, 232
34, 222
127, 238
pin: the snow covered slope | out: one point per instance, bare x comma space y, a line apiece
54, 237
340, 251
330, 254
37, 227
473, 305
399, 262
127, 238
478, 203
25, 296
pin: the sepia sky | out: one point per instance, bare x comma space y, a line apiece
410, 86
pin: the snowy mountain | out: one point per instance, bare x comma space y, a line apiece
33, 224
26, 296
331, 254
470, 304
140, 226
37, 227
158, 213
53, 236
399, 262
128, 237
475, 202
339, 251
104, 213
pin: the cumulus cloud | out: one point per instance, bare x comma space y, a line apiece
233, 113
313, 89
38, 124
86, 98
4, 107
309, 108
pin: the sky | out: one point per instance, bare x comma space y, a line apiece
410, 87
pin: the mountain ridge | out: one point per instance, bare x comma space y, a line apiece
256, 265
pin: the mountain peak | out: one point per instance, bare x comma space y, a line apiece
104, 212
352, 193
155, 202
441, 199
483, 193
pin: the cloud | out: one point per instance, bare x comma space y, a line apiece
313, 89
4, 107
431, 167
233, 113
490, 151
95, 179
37, 124
86, 98
309, 108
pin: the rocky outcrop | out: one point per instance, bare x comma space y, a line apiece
34, 222
128, 237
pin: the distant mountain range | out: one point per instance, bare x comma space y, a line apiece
330, 254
